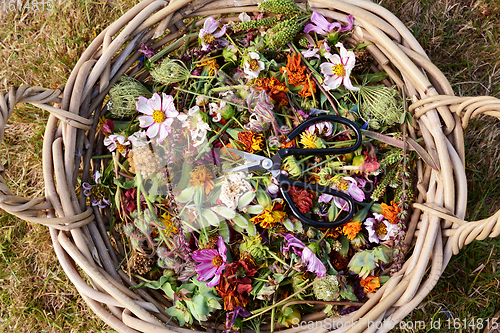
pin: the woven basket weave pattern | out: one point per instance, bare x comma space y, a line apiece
436, 228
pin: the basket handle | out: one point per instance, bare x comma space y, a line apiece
467, 108
35, 210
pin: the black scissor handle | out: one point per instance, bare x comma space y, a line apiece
326, 151
285, 184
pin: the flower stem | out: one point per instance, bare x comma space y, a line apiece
265, 309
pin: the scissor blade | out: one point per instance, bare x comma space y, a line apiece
254, 166
247, 156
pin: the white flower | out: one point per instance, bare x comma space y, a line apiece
379, 229
215, 111
338, 70
197, 127
244, 17
117, 142
233, 186
138, 139
253, 65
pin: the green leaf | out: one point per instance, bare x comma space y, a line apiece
186, 195
224, 231
211, 217
374, 77
233, 132
241, 221
252, 231
362, 46
348, 293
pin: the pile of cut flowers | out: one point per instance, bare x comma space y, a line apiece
224, 247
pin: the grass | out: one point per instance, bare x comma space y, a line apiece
461, 38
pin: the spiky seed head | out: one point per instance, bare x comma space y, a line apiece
279, 7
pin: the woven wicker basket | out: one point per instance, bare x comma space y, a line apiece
436, 228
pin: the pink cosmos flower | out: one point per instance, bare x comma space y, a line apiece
117, 142
320, 25
159, 115
352, 189
379, 229
212, 263
338, 70
308, 257
208, 35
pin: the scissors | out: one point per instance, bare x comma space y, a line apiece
273, 165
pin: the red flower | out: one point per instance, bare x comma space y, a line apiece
235, 283
301, 198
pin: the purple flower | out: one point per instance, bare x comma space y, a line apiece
308, 257
379, 229
320, 25
231, 315
347, 185
212, 263
313, 262
313, 50
159, 115
338, 70
208, 35
148, 52
101, 203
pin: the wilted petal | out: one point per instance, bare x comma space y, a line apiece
313, 263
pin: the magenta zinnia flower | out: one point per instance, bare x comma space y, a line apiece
308, 257
338, 70
208, 35
159, 115
320, 25
212, 263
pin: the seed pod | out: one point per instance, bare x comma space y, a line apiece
282, 33
279, 6
254, 24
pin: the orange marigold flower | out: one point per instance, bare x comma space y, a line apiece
275, 88
251, 140
371, 283
297, 76
391, 212
271, 216
351, 229
201, 176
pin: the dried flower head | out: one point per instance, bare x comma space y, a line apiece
124, 94
327, 288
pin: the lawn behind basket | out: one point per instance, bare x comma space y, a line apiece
40, 48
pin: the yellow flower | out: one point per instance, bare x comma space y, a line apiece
167, 222
211, 64
201, 176
252, 141
351, 229
311, 141
272, 215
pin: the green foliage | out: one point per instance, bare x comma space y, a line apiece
364, 262
201, 302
